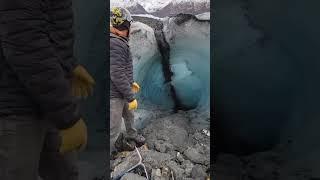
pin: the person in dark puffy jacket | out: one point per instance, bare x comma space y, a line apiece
122, 85
40, 125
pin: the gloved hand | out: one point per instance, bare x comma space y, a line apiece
74, 138
133, 105
135, 87
82, 82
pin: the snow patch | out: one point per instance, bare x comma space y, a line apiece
149, 16
123, 3
153, 5
204, 16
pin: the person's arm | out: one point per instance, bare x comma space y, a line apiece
62, 29
117, 71
29, 53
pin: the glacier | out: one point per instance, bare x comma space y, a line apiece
266, 85
182, 83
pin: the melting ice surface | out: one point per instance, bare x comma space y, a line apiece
154, 87
190, 64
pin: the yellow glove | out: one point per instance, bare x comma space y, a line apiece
82, 82
74, 138
135, 87
133, 105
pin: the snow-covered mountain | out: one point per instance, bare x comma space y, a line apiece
162, 8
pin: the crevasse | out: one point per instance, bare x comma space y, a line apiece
172, 62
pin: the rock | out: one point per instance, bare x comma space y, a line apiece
155, 159
160, 146
198, 172
195, 156
177, 171
206, 132
197, 136
173, 148
157, 174
115, 162
132, 176
171, 129
188, 166
165, 171
180, 157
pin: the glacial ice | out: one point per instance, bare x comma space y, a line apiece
189, 62
267, 83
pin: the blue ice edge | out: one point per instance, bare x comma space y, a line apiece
190, 64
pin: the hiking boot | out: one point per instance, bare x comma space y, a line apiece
138, 138
124, 144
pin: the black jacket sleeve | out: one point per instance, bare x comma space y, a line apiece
118, 63
62, 32
29, 53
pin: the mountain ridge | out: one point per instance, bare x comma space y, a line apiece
163, 8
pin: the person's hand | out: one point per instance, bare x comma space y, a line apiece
135, 87
74, 138
133, 105
82, 82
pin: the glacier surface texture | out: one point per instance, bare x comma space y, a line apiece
172, 62
267, 78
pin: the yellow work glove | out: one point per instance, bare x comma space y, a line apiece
133, 105
82, 82
74, 138
135, 87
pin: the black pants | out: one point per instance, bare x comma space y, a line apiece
29, 149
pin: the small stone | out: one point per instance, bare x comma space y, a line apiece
195, 156
206, 132
188, 166
155, 158
115, 162
161, 147
180, 157
197, 136
177, 171
158, 172
165, 172
155, 174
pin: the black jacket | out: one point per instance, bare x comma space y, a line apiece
36, 57
121, 68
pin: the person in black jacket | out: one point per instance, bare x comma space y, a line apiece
122, 86
40, 125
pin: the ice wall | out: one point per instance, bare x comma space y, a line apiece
147, 66
189, 39
267, 69
294, 25
183, 41
255, 80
